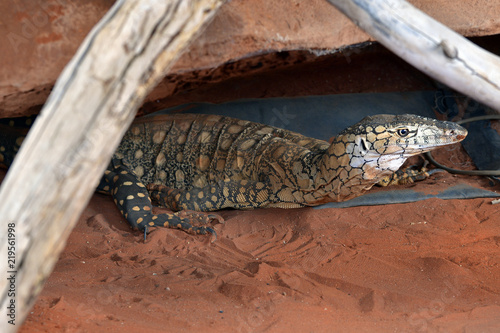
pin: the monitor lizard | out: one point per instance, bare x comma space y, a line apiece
201, 163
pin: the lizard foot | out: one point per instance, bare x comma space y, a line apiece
191, 220
407, 176
188, 221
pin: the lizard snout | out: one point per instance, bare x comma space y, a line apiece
459, 133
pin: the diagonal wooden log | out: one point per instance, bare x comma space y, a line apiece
429, 46
92, 104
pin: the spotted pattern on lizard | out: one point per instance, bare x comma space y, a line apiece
201, 163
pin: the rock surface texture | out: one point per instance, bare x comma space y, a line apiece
40, 37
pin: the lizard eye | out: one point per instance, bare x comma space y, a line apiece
403, 132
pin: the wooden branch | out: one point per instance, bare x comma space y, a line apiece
429, 46
65, 153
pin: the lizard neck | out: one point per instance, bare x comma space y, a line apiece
341, 173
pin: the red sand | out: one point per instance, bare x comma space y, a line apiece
429, 266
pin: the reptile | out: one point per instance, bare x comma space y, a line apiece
201, 163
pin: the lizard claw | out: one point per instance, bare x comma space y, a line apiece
216, 217
212, 231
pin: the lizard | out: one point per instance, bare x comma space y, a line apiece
193, 164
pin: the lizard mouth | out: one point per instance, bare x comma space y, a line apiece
395, 155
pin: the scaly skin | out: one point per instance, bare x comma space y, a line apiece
204, 163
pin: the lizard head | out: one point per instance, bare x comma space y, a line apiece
380, 144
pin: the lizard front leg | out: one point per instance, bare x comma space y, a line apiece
408, 176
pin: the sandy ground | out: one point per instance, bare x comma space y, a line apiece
429, 266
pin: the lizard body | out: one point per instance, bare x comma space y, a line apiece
205, 162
